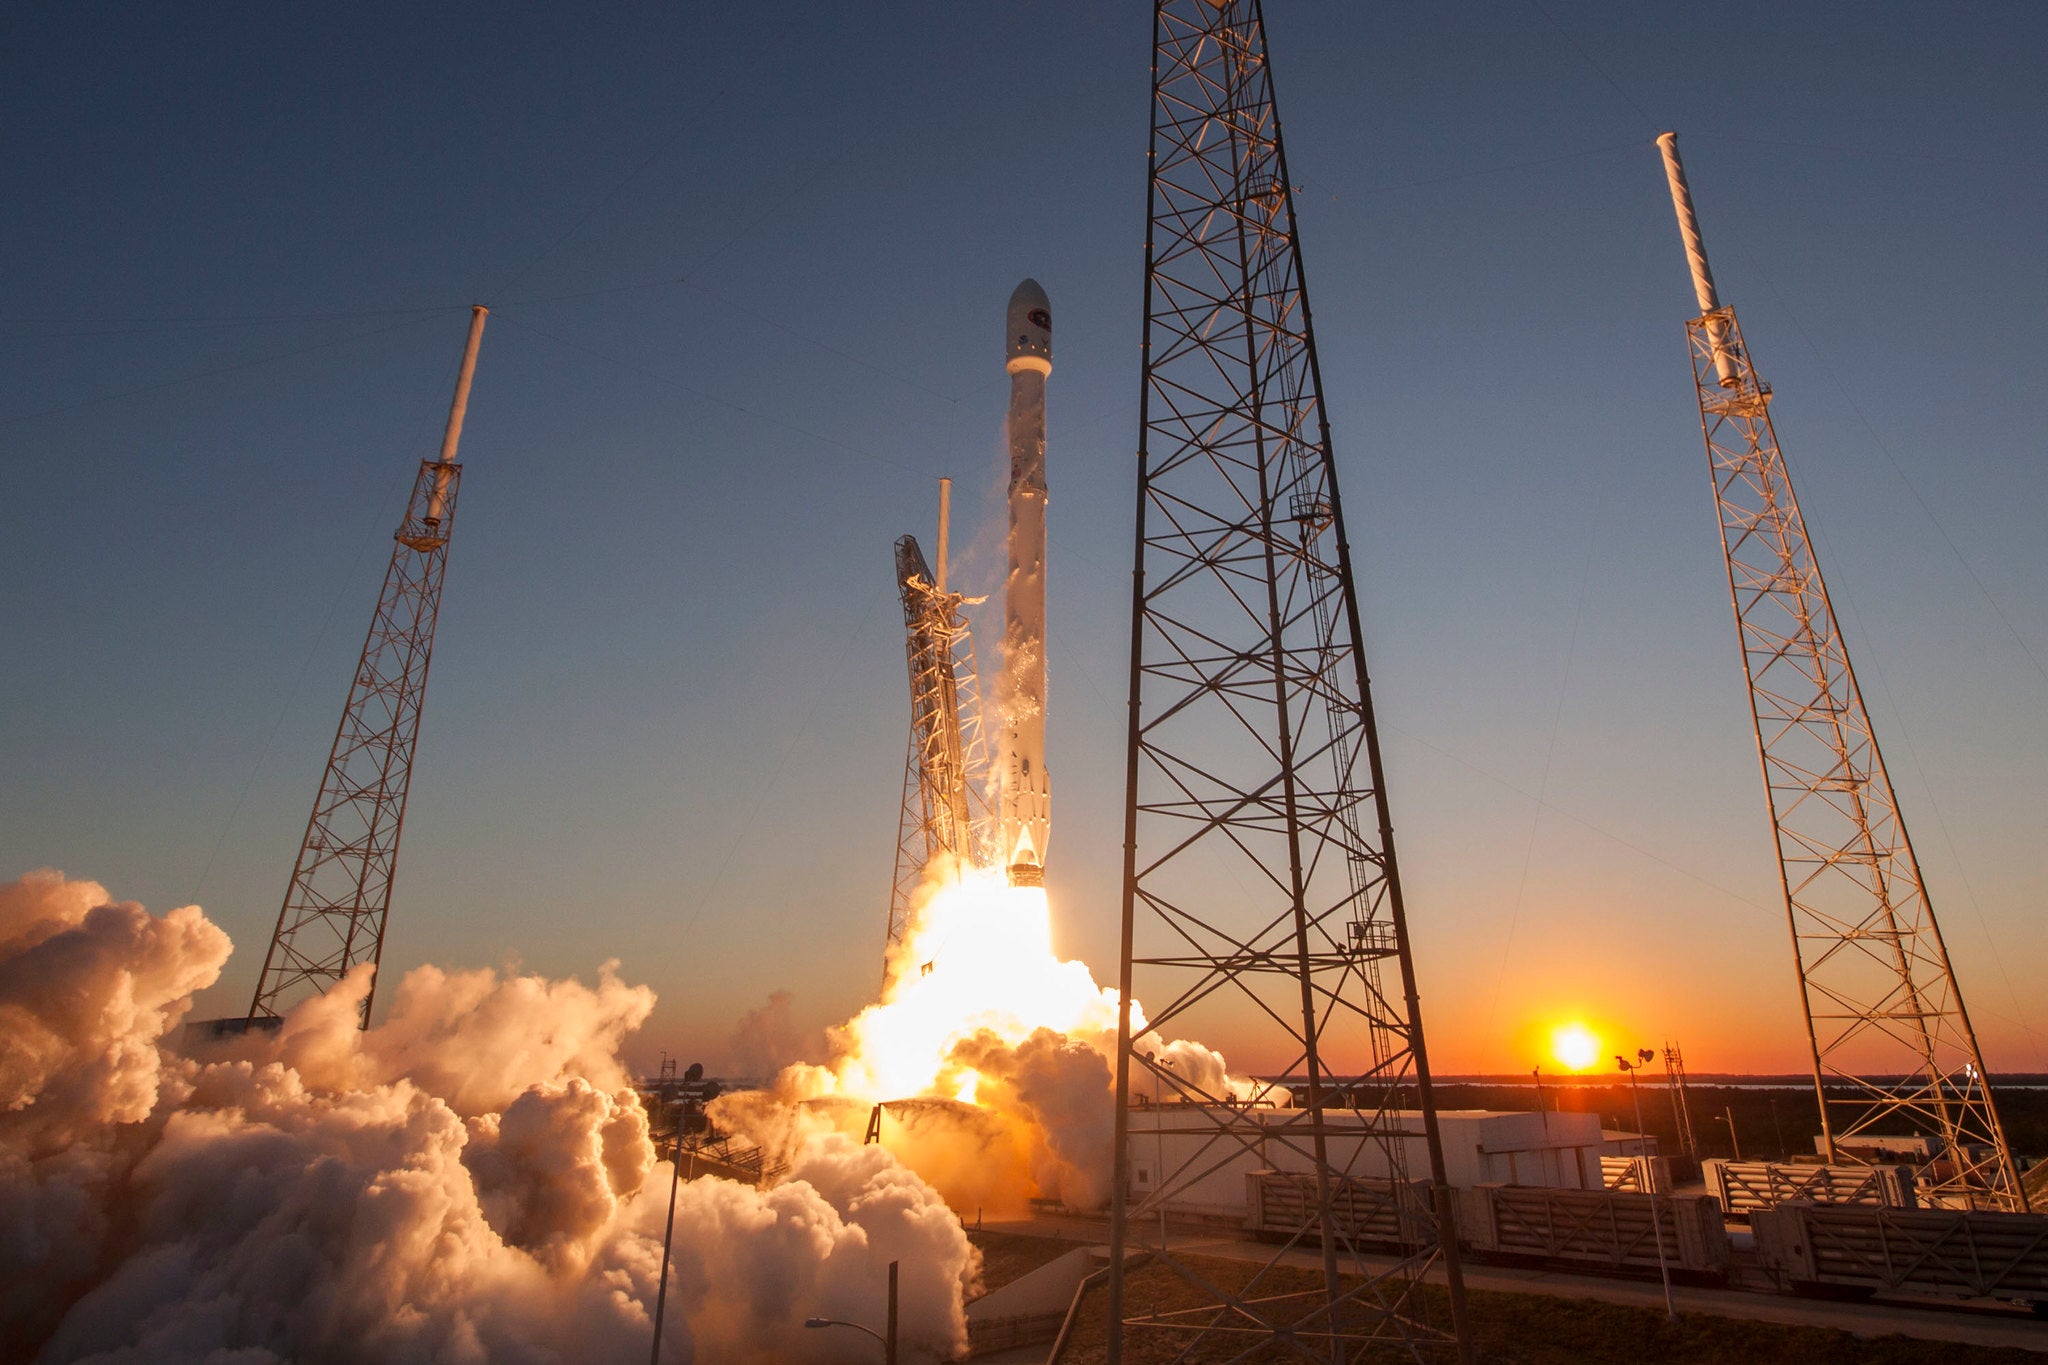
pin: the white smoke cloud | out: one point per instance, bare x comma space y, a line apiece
990, 1056
469, 1181
87, 985
1204, 1077
1064, 1089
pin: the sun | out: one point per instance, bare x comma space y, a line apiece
1575, 1046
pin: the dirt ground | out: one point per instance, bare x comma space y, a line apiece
1006, 1256
1531, 1329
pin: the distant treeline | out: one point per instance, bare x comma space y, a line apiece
1769, 1122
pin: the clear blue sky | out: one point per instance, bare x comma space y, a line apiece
748, 265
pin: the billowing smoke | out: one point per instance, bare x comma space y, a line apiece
469, 1181
87, 986
989, 1055
1066, 1088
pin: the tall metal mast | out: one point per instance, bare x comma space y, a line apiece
1681, 1101
1261, 896
1892, 1045
945, 810
333, 912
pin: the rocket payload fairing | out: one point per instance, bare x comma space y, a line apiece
1026, 806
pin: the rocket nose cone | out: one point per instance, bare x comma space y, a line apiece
1027, 339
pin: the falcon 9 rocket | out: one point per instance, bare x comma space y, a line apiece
1026, 805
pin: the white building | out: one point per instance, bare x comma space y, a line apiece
1207, 1167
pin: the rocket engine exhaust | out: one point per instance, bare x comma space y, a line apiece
1026, 806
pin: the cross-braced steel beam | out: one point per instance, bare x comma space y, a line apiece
1262, 900
1893, 1050
334, 907
945, 804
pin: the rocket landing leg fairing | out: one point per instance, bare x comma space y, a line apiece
1026, 807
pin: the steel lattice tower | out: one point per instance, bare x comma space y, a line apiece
1261, 896
1892, 1044
1681, 1101
334, 907
945, 807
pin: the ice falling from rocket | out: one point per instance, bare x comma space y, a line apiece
1026, 808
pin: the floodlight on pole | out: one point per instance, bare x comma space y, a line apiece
668, 1234
1643, 1057
1728, 1117
889, 1341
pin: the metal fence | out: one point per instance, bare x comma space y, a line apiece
1745, 1186
1595, 1228
1946, 1252
1638, 1174
1372, 1212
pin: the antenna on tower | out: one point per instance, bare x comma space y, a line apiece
1261, 891
334, 906
1891, 1041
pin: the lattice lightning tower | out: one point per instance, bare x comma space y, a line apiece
945, 809
334, 907
1261, 896
1681, 1101
1892, 1045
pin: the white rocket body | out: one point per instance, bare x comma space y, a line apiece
1026, 798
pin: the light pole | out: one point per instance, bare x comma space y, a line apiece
1644, 1055
1728, 1117
889, 1341
668, 1233
1159, 1149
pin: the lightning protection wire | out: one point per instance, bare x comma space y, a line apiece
1834, 379
1564, 691
375, 535
1924, 792
829, 680
672, 382
255, 362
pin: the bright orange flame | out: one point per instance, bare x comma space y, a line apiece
974, 984
978, 957
1575, 1045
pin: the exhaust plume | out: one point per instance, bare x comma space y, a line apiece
990, 1056
472, 1180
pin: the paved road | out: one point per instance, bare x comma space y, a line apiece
1977, 1326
